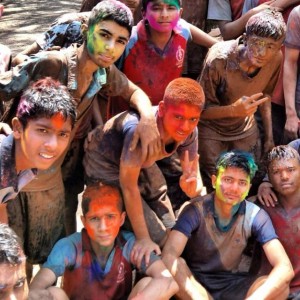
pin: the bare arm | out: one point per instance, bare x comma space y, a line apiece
232, 30
289, 87
265, 111
201, 38
22, 56
3, 213
159, 285
243, 107
134, 209
283, 4
280, 276
189, 287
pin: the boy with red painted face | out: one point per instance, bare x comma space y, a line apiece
212, 232
108, 159
96, 263
41, 133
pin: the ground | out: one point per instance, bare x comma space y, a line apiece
23, 20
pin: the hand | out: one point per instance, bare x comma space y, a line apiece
40, 295
5, 128
147, 132
189, 181
266, 195
91, 135
56, 48
247, 106
143, 248
264, 6
291, 127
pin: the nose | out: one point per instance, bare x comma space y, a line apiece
110, 45
51, 143
284, 175
261, 50
185, 126
164, 12
102, 224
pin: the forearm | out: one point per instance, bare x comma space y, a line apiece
265, 111
201, 38
283, 4
44, 279
134, 210
3, 213
217, 112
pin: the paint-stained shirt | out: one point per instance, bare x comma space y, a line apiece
224, 10
224, 82
84, 277
63, 66
110, 144
11, 182
221, 248
149, 67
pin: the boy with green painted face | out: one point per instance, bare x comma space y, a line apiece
85, 70
212, 232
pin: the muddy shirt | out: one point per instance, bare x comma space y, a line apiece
224, 82
61, 65
11, 182
111, 144
221, 248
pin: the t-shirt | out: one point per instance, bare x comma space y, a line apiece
224, 10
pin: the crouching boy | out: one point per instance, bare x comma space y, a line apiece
96, 263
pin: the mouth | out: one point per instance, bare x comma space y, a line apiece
106, 58
47, 156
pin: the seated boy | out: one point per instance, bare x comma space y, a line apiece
212, 232
96, 263
41, 133
13, 284
108, 159
236, 75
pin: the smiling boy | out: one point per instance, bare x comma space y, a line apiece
41, 133
108, 159
220, 225
96, 263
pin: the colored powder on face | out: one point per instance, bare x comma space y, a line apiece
58, 120
94, 43
172, 2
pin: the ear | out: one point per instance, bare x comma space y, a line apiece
17, 128
82, 218
180, 12
245, 39
161, 109
84, 30
213, 181
123, 216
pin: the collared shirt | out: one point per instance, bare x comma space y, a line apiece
11, 182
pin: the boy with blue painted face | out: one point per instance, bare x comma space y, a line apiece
212, 232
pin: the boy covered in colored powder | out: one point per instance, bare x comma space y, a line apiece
219, 225
41, 133
108, 159
85, 69
96, 263
239, 77
155, 52
13, 284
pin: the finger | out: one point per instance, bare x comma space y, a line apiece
157, 250
261, 200
260, 101
256, 96
185, 166
134, 141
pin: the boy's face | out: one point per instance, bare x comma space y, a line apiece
284, 175
178, 120
41, 142
261, 50
232, 185
103, 220
106, 41
163, 15
13, 283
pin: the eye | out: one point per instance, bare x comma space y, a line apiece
122, 42
42, 130
243, 183
20, 283
227, 180
111, 217
172, 7
104, 35
178, 117
193, 120
64, 135
94, 219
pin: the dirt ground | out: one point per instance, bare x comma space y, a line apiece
23, 20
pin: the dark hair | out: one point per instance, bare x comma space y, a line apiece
268, 23
237, 159
44, 99
112, 10
282, 152
10, 250
184, 90
99, 191
146, 2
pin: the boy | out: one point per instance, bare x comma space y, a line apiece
155, 52
283, 164
220, 224
41, 133
235, 77
13, 284
85, 70
109, 160
96, 263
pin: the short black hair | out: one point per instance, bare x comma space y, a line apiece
282, 152
146, 2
